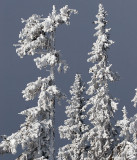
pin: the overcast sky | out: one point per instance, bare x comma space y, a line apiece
74, 41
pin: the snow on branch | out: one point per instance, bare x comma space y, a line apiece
35, 36
44, 88
32, 89
27, 135
52, 58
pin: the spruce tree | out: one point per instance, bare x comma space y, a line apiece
121, 151
36, 135
133, 125
127, 148
134, 100
133, 132
74, 127
102, 136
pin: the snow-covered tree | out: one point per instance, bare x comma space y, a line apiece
125, 149
124, 125
102, 136
133, 132
133, 125
36, 134
134, 100
74, 127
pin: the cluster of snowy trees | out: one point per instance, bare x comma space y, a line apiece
103, 138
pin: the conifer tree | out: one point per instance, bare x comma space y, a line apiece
74, 127
134, 100
36, 134
121, 151
102, 136
127, 148
133, 120
133, 125
133, 132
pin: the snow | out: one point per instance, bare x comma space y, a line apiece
102, 105
134, 100
74, 127
36, 134
104, 139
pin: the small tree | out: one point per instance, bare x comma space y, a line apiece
36, 135
122, 150
133, 125
133, 132
74, 127
127, 148
134, 100
102, 136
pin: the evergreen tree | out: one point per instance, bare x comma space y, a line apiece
102, 136
127, 148
74, 127
133, 132
134, 100
133, 120
36, 134
122, 150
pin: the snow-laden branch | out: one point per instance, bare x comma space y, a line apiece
51, 59
43, 88
38, 37
29, 134
32, 89
37, 118
35, 37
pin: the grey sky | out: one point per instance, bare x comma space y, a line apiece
74, 41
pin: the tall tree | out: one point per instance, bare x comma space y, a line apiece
36, 134
102, 136
74, 127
